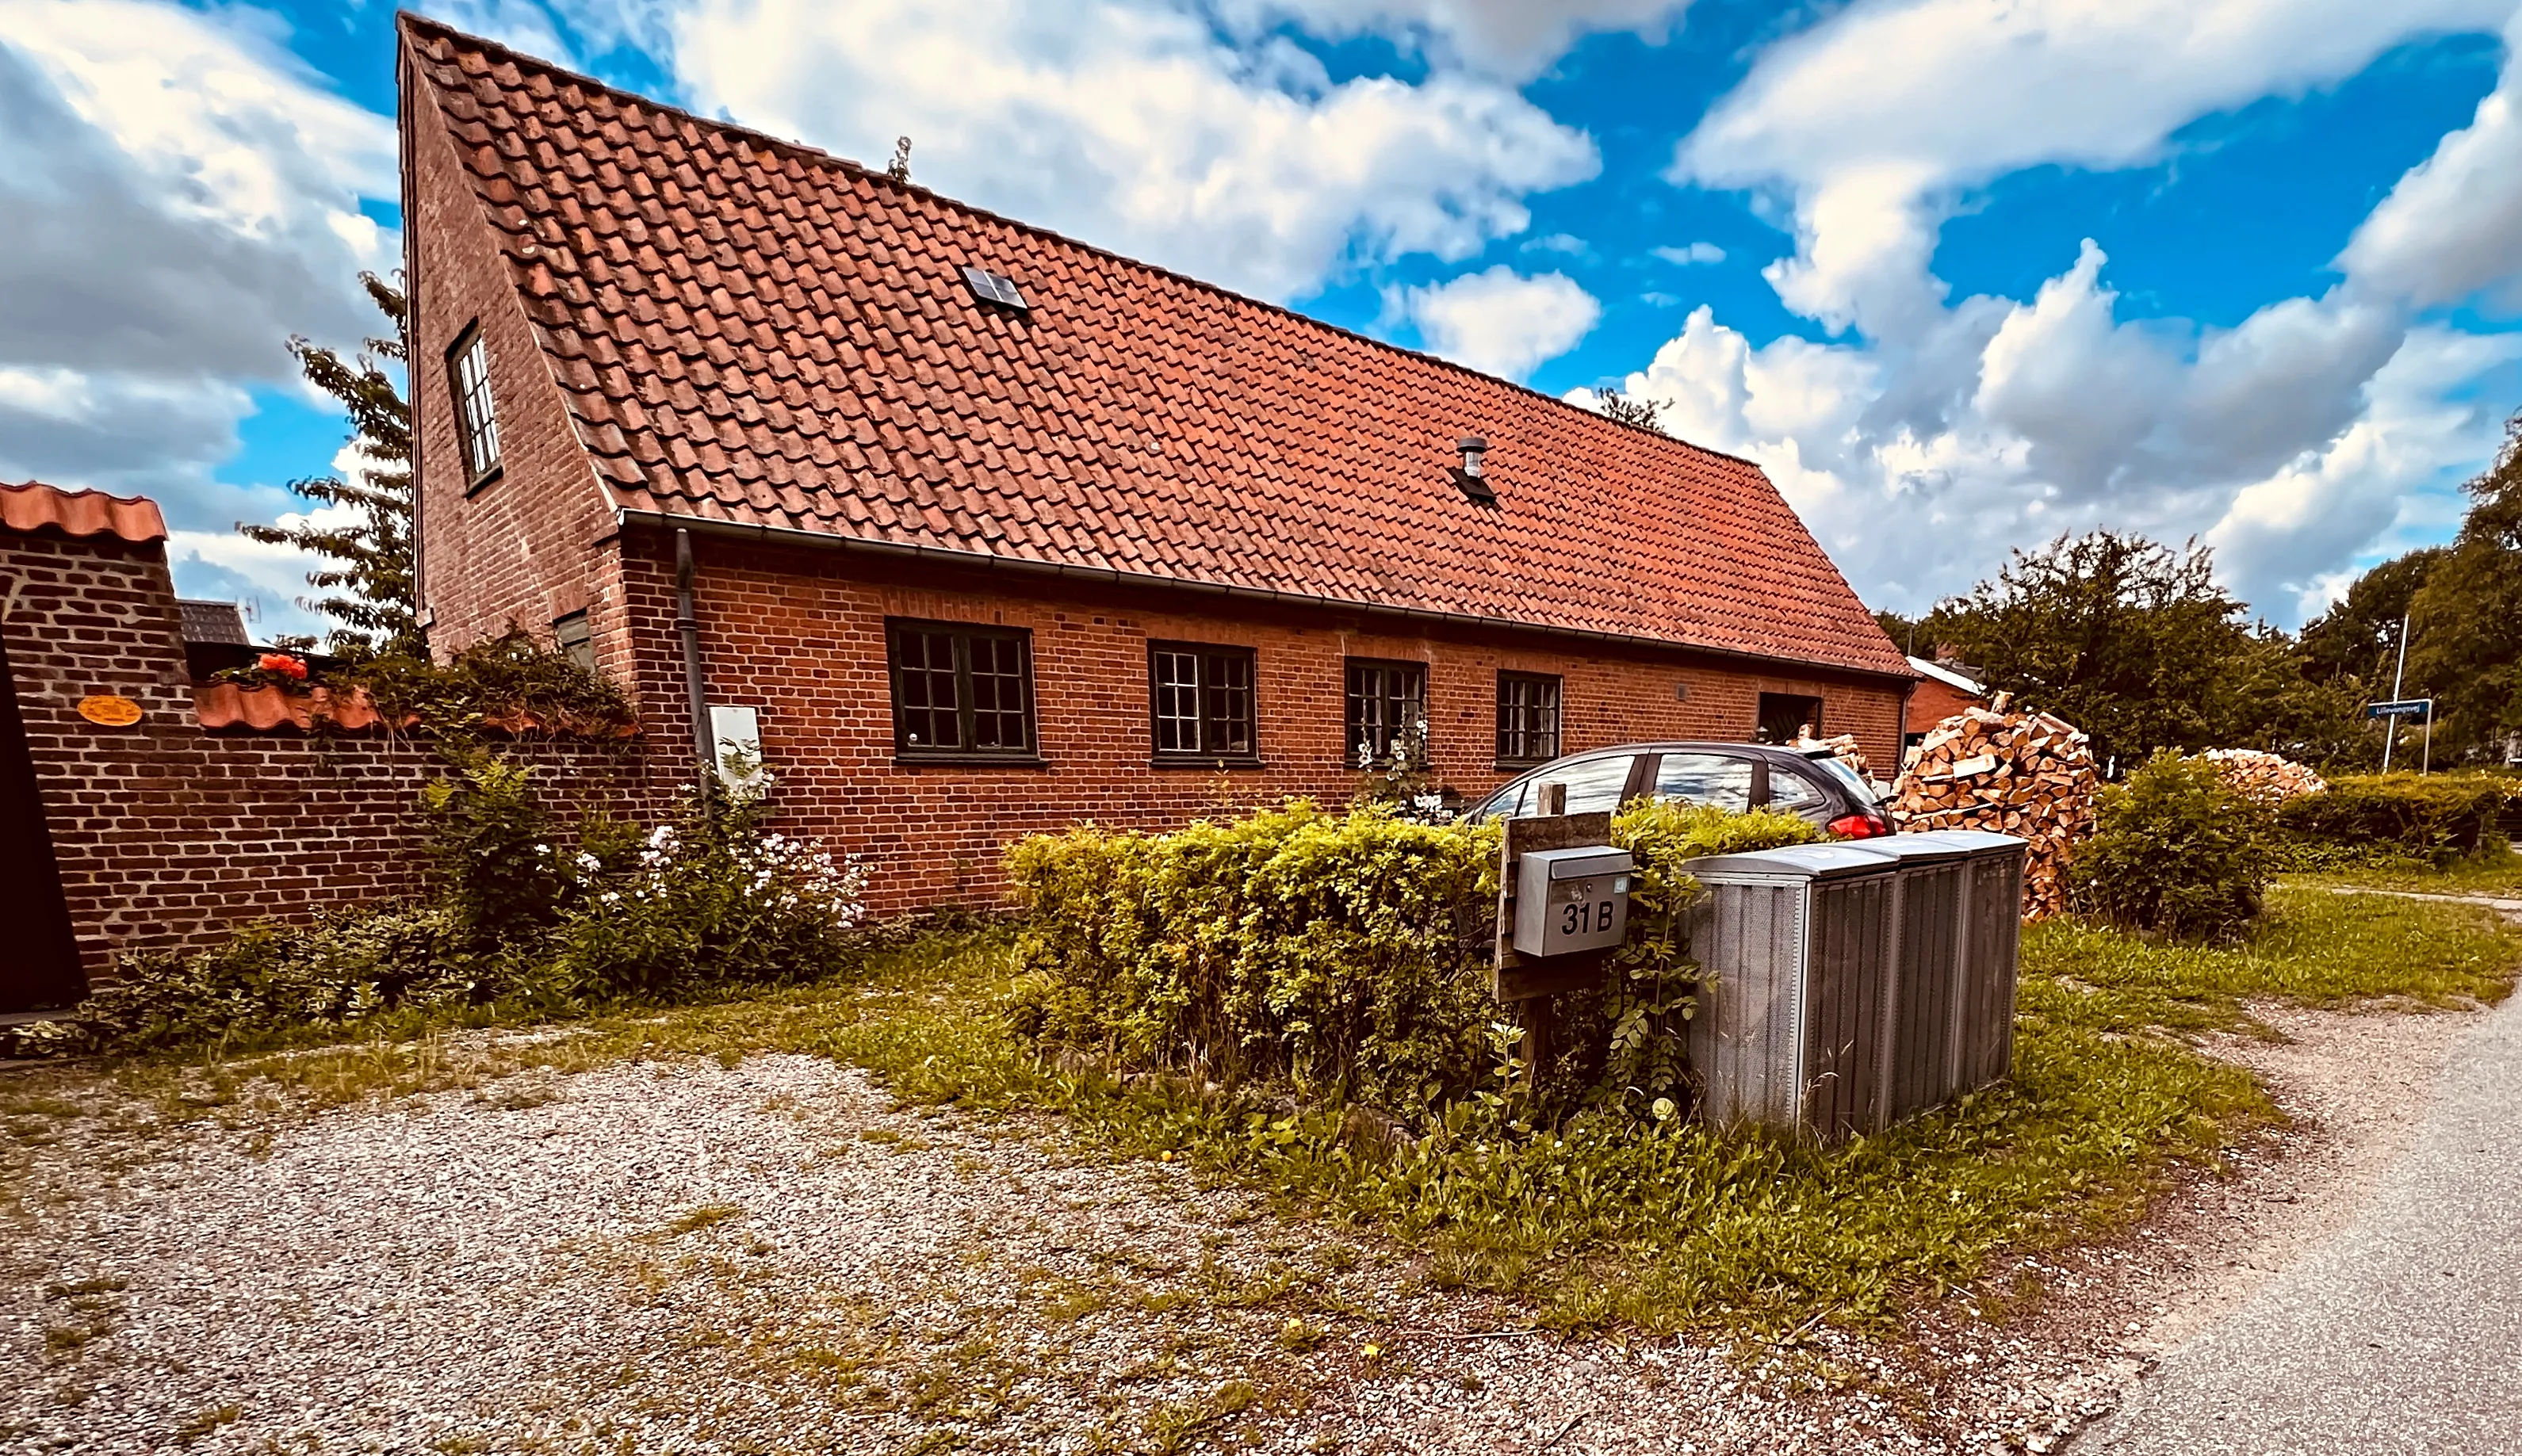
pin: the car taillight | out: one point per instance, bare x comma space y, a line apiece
1858, 826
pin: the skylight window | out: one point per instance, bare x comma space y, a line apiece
994, 288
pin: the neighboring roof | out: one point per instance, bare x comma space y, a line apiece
222, 622
1928, 667
754, 331
34, 505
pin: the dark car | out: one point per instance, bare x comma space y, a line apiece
1735, 776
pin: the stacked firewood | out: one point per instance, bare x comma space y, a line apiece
2266, 779
1842, 747
2029, 775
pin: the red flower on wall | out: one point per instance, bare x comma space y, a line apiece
282, 663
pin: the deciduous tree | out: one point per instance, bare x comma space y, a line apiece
2466, 648
369, 583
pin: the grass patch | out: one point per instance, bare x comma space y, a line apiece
2499, 874
2312, 947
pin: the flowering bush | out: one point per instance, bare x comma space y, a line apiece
710, 898
521, 915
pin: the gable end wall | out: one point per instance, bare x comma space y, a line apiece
534, 543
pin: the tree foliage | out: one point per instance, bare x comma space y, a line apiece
2120, 635
2135, 642
2466, 647
367, 587
2359, 637
1629, 409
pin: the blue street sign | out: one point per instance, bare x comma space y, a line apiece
2414, 707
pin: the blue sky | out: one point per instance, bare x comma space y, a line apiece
1960, 275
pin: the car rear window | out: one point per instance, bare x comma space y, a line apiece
1847, 774
1792, 793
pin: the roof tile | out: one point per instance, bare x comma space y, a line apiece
35, 505
1129, 416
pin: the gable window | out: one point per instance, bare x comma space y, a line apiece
961, 691
1201, 697
477, 424
1527, 717
574, 635
1388, 702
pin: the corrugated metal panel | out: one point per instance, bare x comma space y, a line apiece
1843, 990
1993, 930
1850, 967
1929, 989
1747, 1037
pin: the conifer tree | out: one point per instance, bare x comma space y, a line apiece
367, 582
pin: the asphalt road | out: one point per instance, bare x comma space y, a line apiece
2404, 1334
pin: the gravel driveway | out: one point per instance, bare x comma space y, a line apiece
679, 1255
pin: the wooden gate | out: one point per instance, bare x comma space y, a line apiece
39, 960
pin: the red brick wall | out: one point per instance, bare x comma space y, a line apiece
532, 543
168, 834
1935, 701
799, 634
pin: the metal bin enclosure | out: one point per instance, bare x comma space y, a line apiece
1924, 1043
1795, 948
1990, 923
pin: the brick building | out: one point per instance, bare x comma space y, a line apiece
996, 532
1944, 688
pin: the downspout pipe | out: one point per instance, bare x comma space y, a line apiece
688, 626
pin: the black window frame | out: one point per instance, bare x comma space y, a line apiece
1211, 663
963, 636
1510, 737
473, 431
1351, 699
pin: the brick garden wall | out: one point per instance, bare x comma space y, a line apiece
799, 634
166, 834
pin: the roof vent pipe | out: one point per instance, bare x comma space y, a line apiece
1473, 448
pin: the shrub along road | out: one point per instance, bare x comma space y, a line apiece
2402, 1334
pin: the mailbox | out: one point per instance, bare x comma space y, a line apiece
1569, 901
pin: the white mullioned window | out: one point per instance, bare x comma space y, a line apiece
477, 423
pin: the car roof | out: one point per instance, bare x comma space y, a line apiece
1688, 746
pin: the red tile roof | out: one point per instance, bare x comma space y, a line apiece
33, 506
752, 332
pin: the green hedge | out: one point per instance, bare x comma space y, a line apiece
1344, 954
2437, 817
2175, 849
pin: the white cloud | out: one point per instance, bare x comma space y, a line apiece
1500, 322
1871, 156
1690, 255
2450, 229
1939, 432
1516, 39
178, 197
2292, 442
1139, 128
